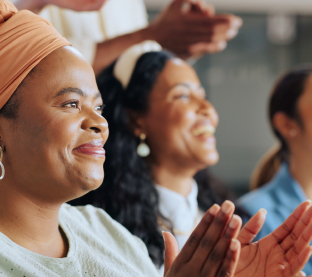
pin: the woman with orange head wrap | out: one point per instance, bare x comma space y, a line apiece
51, 151
51, 137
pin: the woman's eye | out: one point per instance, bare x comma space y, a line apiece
184, 97
73, 104
100, 108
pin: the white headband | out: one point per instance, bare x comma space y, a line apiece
126, 62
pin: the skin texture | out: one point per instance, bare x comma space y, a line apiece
298, 136
282, 253
77, 5
177, 107
43, 166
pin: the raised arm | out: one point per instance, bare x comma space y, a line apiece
77, 5
191, 31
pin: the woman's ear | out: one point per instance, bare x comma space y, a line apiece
136, 123
286, 126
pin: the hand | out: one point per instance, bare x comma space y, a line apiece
77, 5
211, 250
195, 30
283, 253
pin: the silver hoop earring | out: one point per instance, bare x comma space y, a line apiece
143, 150
1, 164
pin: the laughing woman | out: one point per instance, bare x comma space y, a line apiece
161, 142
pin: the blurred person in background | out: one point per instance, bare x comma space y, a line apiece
283, 177
161, 143
185, 27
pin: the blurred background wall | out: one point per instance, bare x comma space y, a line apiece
276, 35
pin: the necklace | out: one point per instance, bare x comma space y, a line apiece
163, 225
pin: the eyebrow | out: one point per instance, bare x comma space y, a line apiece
185, 85
77, 91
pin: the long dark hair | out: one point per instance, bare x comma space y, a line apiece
284, 98
128, 192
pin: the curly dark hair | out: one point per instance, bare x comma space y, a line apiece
128, 192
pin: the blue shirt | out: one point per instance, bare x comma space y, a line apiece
279, 197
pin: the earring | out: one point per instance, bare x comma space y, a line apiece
143, 150
293, 132
1, 164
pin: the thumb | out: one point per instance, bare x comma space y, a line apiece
171, 250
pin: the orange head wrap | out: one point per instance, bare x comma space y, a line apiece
25, 39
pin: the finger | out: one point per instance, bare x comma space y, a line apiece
195, 238
215, 259
253, 226
229, 264
281, 232
199, 49
300, 244
298, 235
171, 250
294, 268
214, 233
301, 274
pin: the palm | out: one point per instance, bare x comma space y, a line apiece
260, 259
280, 254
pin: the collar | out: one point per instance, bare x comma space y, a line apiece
180, 210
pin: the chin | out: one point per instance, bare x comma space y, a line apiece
211, 159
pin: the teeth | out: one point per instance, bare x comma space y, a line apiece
204, 130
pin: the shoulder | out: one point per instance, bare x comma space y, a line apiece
95, 221
263, 197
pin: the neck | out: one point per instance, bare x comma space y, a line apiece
300, 168
31, 224
177, 180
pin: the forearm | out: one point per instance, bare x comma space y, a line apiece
33, 5
109, 50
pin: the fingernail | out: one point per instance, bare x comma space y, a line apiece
222, 45
237, 22
263, 210
226, 207
231, 33
234, 244
164, 237
233, 223
214, 209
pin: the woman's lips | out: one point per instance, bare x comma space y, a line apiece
94, 148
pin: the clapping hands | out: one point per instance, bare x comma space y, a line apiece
214, 247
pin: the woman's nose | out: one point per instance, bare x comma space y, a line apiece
207, 109
95, 122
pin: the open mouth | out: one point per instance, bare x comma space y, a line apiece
204, 130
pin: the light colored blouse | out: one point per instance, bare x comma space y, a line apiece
182, 211
98, 246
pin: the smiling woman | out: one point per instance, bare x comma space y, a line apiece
51, 146
51, 137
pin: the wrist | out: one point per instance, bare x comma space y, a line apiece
149, 33
33, 5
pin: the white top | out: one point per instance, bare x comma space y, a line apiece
98, 247
85, 29
182, 211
